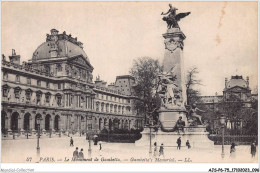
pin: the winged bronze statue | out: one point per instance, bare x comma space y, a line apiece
172, 19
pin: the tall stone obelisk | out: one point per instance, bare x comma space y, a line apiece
175, 96
173, 90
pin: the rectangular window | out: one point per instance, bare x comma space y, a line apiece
59, 100
17, 78
59, 67
38, 83
47, 85
5, 76
29, 81
5, 92
17, 94
59, 86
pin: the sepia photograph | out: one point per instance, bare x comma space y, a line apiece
129, 82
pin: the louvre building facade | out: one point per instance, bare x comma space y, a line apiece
56, 86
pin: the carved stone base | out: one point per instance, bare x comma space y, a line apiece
168, 118
197, 137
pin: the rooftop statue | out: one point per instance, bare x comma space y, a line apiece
172, 19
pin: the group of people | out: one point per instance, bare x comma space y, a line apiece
78, 155
161, 149
179, 143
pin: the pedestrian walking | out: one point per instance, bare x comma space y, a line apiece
161, 150
155, 149
188, 144
253, 149
76, 154
100, 146
81, 155
179, 143
71, 142
232, 150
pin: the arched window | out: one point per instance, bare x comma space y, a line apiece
56, 122
17, 92
38, 97
47, 97
58, 98
5, 90
59, 67
102, 107
28, 94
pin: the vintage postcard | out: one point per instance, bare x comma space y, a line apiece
129, 82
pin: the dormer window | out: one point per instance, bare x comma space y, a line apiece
17, 78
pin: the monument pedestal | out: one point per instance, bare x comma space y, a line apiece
168, 118
197, 136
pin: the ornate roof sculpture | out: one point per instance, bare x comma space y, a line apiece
59, 45
237, 81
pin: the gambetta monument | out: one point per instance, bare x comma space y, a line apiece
174, 118
172, 80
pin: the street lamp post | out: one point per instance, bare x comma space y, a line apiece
150, 149
50, 132
38, 121
89, 145
27, 132
13, 132
223, 122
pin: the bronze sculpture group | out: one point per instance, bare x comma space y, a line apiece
173, 18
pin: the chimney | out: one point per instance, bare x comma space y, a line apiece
14, 58
226, 81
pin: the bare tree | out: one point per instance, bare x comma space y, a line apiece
191, 81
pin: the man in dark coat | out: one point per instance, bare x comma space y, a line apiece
179, 143
161, 152
71, 142
253, 150
188, 144
75, 154
81, 155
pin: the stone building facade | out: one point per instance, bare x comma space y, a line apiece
236, 92
56, 86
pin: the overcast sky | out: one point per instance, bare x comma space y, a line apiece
221, 36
